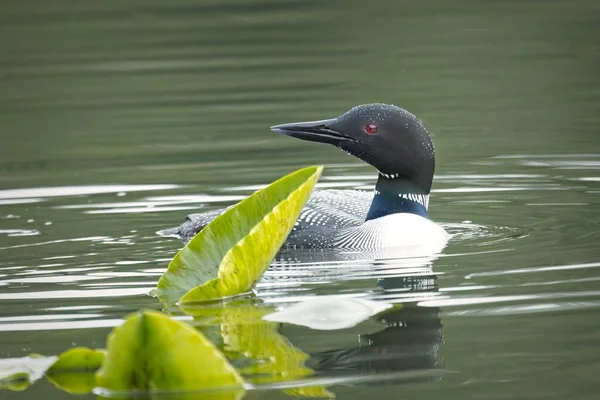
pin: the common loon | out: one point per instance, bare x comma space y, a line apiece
393, 141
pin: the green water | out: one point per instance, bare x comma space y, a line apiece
119, 118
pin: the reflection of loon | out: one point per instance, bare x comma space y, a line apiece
396, 143
409, 342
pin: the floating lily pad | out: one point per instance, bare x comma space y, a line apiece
231, 253
17, 374
16, 382
78, 359
152, 352
74, 382
74, 371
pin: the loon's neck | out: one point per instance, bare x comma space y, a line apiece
397, 195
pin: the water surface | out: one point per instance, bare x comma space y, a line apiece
119, 119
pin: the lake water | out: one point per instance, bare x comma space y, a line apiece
118, 119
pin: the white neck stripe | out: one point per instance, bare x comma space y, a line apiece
422, 199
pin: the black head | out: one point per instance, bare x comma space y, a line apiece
388, 137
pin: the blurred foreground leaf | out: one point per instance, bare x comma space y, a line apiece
78, 359
17, 374
74, 371
16, 382
231, 253
150, 352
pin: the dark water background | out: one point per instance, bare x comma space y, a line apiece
118, 118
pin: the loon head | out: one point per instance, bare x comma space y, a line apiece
388, 137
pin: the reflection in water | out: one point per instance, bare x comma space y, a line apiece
47, 192
112, 94
329, 312
406, 348
86, 285
253, 345
409, 342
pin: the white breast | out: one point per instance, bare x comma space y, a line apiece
396, 230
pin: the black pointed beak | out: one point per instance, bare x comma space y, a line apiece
313, 131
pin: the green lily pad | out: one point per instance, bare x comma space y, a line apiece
78, 359
74, 371
231, 253
74, 382
17, 374
16, 382
151, 352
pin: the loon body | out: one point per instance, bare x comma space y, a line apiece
396, 143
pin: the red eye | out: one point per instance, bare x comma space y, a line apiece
371, 129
